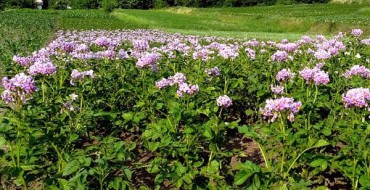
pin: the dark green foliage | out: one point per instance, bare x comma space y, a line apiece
2, 5
85, 4
148, 4
109, 5
19, 3
61, 4
160, 4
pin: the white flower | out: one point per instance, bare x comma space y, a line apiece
73, 96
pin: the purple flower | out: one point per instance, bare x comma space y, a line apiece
140, 45
288, 47
284, 75
280, 56
356, 32
307, 74
224, 101
357, 70
102, 41
193, 89
320, 65
356, 97
203, 54
20, 87
107, 54
163, 83
188, 89
322, 54
68, 46
277, 89
274, 108
366, 41
24, 61
148, 59
42, 69
227, 52
178, 78
251, 53
315, 75
321, 77
213, 72
77, 75
122, 54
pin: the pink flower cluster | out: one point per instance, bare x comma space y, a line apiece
19, 88
357, 70
224, 101
284, 75
213, 72
103, 41
140, 45
180, 80
319, 77
357, 97
280, 56
23, 61
274, 107
148, 59
77, 75
366, 41
251, 53
203, 54
356, 32
42, 68
277, 89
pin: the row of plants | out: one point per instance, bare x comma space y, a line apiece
23, 31
144, 109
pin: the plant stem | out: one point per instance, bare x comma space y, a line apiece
263, 155
282, 126
220, 114
316, 92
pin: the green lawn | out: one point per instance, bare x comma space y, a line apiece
262, 22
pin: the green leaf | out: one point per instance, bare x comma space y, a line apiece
321, 143
322, 188
197, 164
128, 116
73, 137
317, 162
128, 173
242, 176
63, 184
249, 112
208, 133
2, 142
248, 165
365, 181
326, 131
71, 168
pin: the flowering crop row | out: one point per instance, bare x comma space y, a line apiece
144, 108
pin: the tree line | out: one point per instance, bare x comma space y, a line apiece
147, 4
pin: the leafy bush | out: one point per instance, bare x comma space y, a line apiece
2, 5
85, 4
160, 4
109, 5
61, 4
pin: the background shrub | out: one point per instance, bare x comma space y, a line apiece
61, 4
2, 5
148, 4
109, 5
